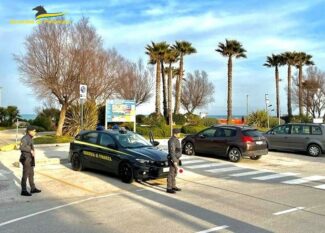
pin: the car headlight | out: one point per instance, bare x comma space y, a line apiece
144, 161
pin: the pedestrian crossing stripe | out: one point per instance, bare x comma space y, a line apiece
207, 165
250, 173
225, 169
322, 186
275, 176
304, 180
192, 161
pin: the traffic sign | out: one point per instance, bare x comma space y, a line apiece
83, 91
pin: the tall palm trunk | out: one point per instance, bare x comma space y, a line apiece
179, 86
289, 93
157, 108
165, 112
63, 112
300, 91
277, 91
170, 87
229, 98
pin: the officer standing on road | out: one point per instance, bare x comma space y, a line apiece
174, 154
27, 159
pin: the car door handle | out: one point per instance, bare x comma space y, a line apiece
306, 137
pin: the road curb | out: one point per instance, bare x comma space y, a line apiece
45, 162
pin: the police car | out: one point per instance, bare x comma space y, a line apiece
123, 153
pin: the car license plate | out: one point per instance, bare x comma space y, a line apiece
166, 169
259, 142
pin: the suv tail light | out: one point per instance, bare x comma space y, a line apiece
247, 139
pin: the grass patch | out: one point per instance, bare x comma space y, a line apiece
51, 139
6, 128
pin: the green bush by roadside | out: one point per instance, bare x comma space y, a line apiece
190, 129
50, 139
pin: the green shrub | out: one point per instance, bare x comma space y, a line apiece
190, 129
39, 128
193, 119
140, 118
43, 122
158, 131
301, 119
208, 122
257, 119
155, 120
179, 119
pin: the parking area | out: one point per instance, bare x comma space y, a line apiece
282, 192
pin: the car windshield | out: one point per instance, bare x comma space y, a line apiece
252, 133
131, 140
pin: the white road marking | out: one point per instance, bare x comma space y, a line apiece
192, 161
207, 165
57, 207
322, 186
213, 229
185, 157
275, 176
3, 177
288, 211
304, 180
226, 169
250, 173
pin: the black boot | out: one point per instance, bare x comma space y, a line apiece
25, 193
170, 191
177, 189
35, 190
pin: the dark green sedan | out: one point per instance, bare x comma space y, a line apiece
123, 153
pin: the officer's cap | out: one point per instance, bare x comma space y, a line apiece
176, 131
30, 128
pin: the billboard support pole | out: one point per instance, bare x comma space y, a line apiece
106, 115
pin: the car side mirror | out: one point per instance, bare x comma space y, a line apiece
272, 132
155, 143
201, 136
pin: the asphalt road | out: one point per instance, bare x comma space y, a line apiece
282, 192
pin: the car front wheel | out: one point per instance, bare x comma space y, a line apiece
256, 157
234, 154
76, 162
189, 149
126, 173
314, 150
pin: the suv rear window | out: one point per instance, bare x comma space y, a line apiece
252, 133
316, 130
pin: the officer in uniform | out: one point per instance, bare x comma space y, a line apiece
27, 159
175, 152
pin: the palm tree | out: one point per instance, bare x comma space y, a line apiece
183, 48
163, 50
154, 59
275, 61
170, 58
289, 58
232, 48
302, 59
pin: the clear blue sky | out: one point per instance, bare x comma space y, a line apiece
263, 27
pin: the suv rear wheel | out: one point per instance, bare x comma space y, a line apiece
234, 154
256, 157
314, 150
189, 149
76, 162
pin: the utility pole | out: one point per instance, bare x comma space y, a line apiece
267, 109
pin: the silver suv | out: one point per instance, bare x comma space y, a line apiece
298, 137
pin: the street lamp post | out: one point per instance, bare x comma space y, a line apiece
246, 105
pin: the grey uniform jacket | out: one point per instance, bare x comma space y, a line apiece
174, 149
26, 146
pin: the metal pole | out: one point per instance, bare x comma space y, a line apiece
82, 114
105, 115
17, 131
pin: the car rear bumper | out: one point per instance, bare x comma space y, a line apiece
251, 153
